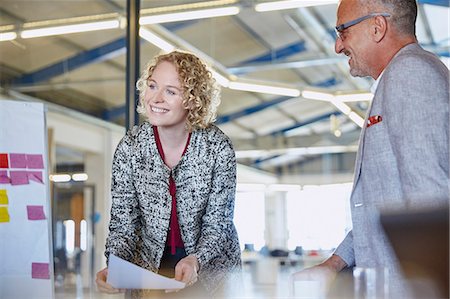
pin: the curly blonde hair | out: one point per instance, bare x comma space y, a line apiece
201, 93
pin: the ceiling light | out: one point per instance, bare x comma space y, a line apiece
188, 6
289, 4
60, 178
156, 40
297, 151
317, 95
58, 30
79, 177
189, 15
354, 97
356, 119
344, 108
223, 81
283, 91
4, 36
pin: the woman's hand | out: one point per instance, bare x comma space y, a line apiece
104, 287
186, 270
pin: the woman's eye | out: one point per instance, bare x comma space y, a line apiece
151, 85
171, 92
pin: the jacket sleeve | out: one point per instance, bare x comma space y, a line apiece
124, 221
345, 250
217, 222
417, 120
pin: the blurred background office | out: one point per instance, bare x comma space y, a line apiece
289, 105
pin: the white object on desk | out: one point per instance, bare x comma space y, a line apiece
125, 275
308, 289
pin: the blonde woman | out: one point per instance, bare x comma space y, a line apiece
173, 182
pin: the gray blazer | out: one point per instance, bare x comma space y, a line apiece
402, 161
205, 179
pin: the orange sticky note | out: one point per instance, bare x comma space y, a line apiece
4, 216
3, 197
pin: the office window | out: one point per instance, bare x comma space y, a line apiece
249, 218
318, 217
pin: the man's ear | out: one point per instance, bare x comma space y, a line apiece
379, 28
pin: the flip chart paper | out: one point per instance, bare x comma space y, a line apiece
125, 275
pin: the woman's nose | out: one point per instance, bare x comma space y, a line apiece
158, 97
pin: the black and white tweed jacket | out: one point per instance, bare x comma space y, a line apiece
205, 179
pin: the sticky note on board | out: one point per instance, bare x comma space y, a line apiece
35, 212
18, 160
35, 176
40, 271
4, 161
35, 162
3, 197
4, 178
19, 177
4, 215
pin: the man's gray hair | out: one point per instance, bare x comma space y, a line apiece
403, 13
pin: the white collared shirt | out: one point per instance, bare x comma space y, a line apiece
374, 86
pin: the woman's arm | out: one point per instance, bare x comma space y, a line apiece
124, 209
218, 218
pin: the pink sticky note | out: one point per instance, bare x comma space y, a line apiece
35, 176
40, 271
35, 161
17, 161
35, 212
4, 179
19, 177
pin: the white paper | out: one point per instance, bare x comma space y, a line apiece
125, 275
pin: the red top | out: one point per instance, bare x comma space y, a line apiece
174, 238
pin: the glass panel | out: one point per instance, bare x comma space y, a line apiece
73, 211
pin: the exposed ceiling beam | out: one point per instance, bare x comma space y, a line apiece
306, 122
258, 67
278, 54
250, 110
101, 53
436, 2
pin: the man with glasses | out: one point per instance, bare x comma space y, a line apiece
403, 156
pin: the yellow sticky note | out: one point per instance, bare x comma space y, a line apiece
4, 216
3, 197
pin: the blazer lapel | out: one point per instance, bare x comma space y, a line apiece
359, 154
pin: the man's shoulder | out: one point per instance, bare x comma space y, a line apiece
414, 58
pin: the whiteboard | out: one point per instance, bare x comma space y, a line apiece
26, 262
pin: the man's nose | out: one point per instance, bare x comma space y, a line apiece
338, 46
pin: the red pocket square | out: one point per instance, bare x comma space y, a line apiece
374, 119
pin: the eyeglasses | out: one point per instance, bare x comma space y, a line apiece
340, 28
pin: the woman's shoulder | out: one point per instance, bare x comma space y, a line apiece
214, 140
138, 132
213, 133
136, 136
